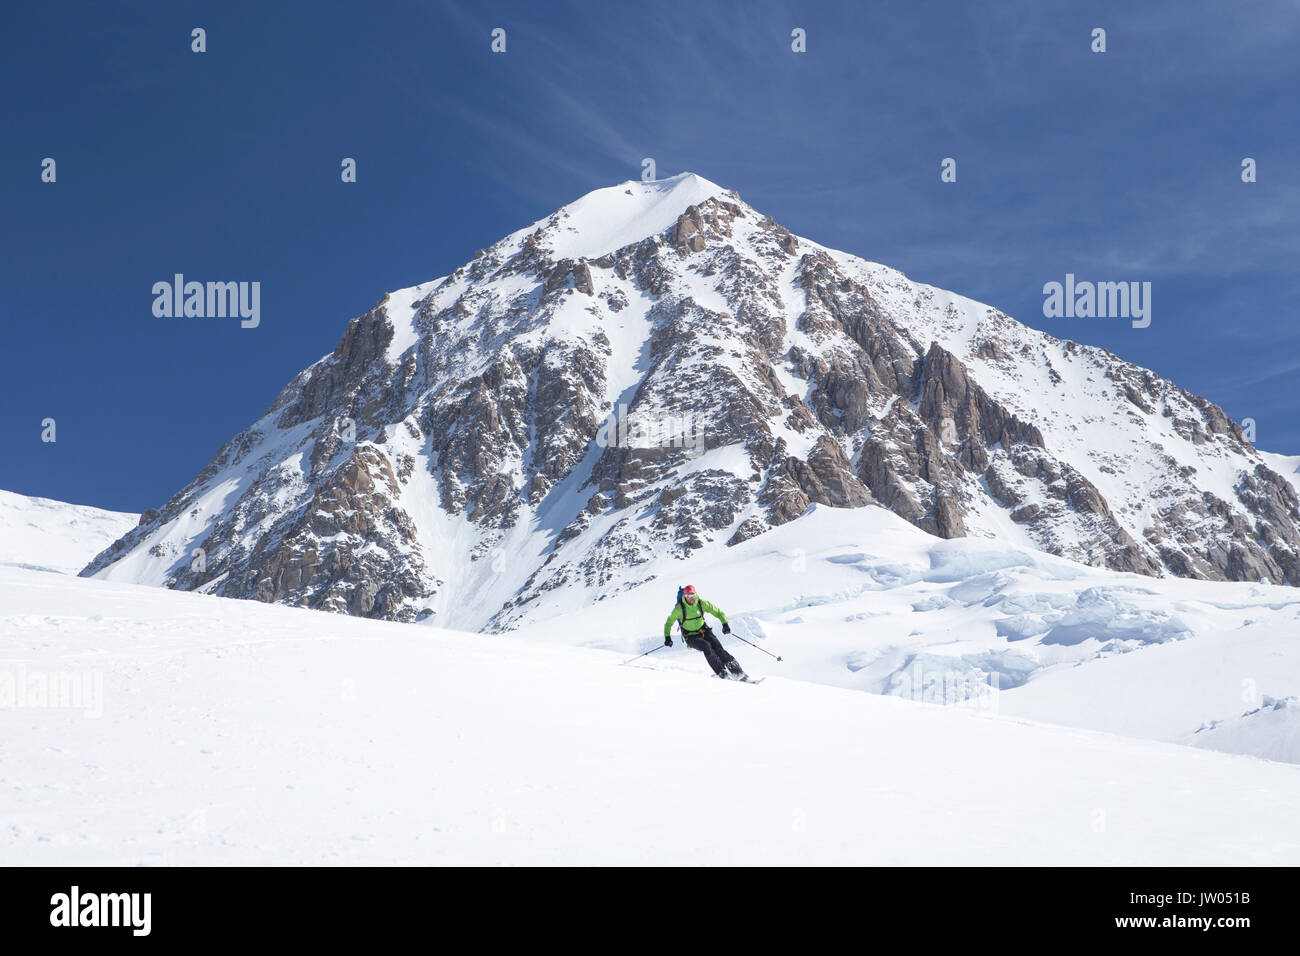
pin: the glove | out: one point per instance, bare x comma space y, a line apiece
726, 628
668, 641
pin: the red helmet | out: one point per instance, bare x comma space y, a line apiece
688, 593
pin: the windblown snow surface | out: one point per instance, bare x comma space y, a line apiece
217, 731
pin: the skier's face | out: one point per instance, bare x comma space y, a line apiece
690, 599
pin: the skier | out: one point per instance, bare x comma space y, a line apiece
689, 613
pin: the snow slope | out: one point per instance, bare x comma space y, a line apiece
1271, 730
231, 732
56, 536
861, 599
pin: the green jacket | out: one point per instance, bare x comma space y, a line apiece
691, 616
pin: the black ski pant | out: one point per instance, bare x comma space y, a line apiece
705, 640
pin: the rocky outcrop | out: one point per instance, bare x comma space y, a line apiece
686, 236
825, 478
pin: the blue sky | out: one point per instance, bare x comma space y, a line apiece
225, 166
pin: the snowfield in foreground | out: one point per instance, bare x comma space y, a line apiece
231, 732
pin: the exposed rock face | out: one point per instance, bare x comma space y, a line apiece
825, 478
686, 235
562, 409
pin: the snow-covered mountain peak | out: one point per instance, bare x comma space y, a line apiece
657, 371
605, 220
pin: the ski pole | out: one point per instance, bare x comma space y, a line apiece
755, 646
639, 656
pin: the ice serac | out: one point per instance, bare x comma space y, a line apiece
658, 369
